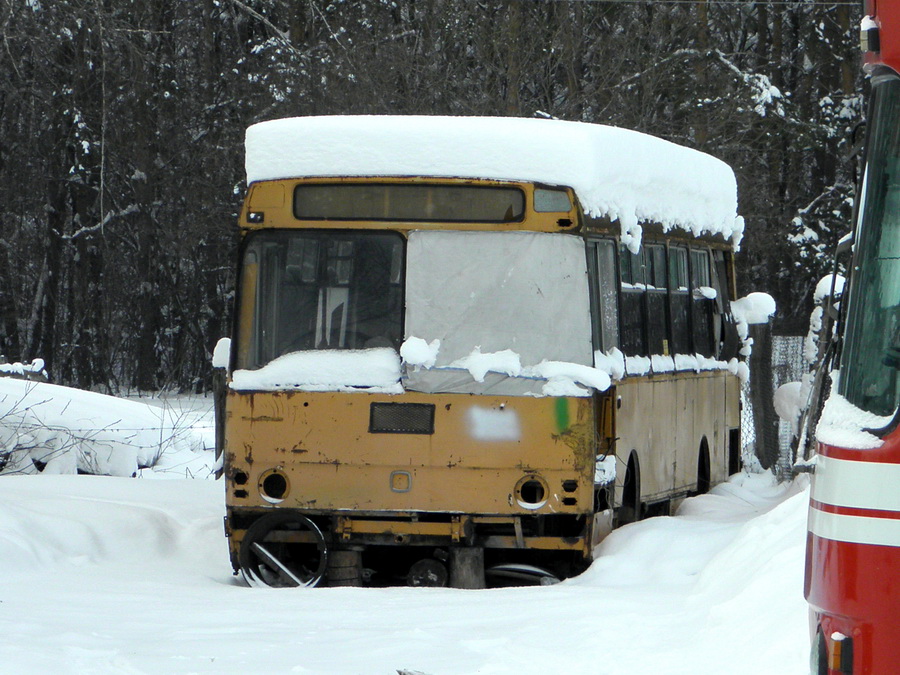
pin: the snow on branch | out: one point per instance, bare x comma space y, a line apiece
128, 210
282, 35
765, 95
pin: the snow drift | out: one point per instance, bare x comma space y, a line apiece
53, 429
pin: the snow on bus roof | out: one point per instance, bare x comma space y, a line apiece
619, 173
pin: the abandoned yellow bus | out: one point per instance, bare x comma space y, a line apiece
465, 348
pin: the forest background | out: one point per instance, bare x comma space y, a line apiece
122, 123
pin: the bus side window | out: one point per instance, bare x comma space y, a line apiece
728, 339
702, 303
656, 297
631, 314
680, 300
606, 321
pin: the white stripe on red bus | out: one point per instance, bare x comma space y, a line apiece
861, 485
855, 529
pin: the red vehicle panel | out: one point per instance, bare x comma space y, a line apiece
886, 14
853, 544
852, 586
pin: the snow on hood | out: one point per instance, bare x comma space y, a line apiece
843, 425
619, 173
376, 370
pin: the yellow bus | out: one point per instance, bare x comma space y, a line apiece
465, 348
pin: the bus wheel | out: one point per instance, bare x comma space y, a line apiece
283, 550
630, 509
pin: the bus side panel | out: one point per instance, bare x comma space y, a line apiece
732, 410
664, 419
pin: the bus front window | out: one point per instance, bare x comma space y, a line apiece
488, 292
871, 359
312, 290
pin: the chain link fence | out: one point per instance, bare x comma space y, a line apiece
776, 360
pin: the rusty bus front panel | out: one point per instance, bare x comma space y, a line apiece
368, 487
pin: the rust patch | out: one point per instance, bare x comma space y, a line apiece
580, 439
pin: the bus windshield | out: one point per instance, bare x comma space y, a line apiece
307, 290
485, 292
871, 358
310, 290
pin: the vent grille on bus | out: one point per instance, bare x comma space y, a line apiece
401, 418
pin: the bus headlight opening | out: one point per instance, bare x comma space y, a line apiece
274, 486
531, 492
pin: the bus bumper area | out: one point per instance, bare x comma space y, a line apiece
381, 549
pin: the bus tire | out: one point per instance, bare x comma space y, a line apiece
266, 561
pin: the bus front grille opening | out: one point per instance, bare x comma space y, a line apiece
401, 418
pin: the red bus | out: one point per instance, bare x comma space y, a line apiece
853, 544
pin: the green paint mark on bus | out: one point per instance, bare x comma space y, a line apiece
562, 414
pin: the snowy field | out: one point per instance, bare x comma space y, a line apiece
130, 575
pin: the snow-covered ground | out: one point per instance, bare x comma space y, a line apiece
123, 575
65, 430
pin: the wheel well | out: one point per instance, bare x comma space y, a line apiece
734, 451
631, 488
630, 509
704, 476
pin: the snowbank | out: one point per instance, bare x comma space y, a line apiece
622, 174
53, 429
